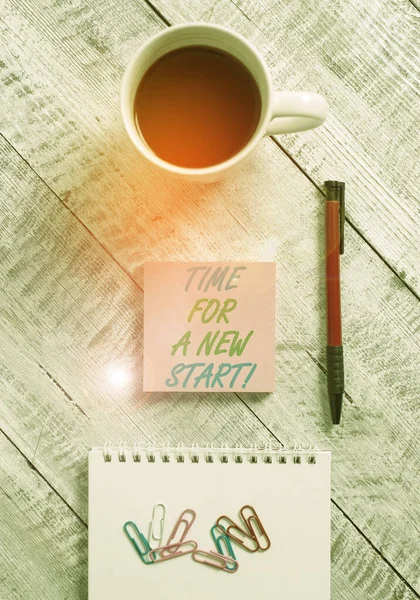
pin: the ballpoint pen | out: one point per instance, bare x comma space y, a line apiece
334, 231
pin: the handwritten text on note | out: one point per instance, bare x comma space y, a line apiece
209, 327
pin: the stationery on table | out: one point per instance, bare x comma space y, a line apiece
209, 327
334, 231
204, 523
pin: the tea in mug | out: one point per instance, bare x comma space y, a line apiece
197, 106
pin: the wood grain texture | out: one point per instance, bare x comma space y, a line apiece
356, 562
297, 373
79, 404
60, 445
415, 3
71, 319
364, 57
71, 315
43, 544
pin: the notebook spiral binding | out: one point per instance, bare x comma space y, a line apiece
151, 453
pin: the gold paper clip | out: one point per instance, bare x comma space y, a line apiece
172, 551
213, 559
227, 526
160, 521
184, 522
255, 526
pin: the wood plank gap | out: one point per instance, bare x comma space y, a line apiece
104, 248
294, 161
345, 515
158, 13
414, 4
245, 15
39, 437
351, 224
390, 565
71, 400
33, 467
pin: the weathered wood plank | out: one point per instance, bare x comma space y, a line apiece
365, 58
94, 197
43, 544
350, 564
267, 231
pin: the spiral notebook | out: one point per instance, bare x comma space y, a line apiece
288, 490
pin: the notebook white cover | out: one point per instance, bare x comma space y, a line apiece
292, 501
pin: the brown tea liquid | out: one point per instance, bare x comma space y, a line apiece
197, 106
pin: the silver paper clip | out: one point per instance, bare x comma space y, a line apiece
159, 521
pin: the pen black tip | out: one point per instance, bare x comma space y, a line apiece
336, 402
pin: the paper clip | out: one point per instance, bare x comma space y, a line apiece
213, 559
245, 536
218, 539
255, 526
172, 551
176, 536
154, 521
144, 554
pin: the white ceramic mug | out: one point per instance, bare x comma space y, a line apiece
281, 112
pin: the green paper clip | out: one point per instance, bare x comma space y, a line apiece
145, 555
228, 550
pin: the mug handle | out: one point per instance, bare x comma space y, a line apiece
296, 111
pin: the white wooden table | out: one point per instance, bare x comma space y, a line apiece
80, 214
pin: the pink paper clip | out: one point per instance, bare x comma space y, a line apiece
172, 551
216, 560
182, 527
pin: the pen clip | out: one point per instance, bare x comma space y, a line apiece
335, 192
342, 216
